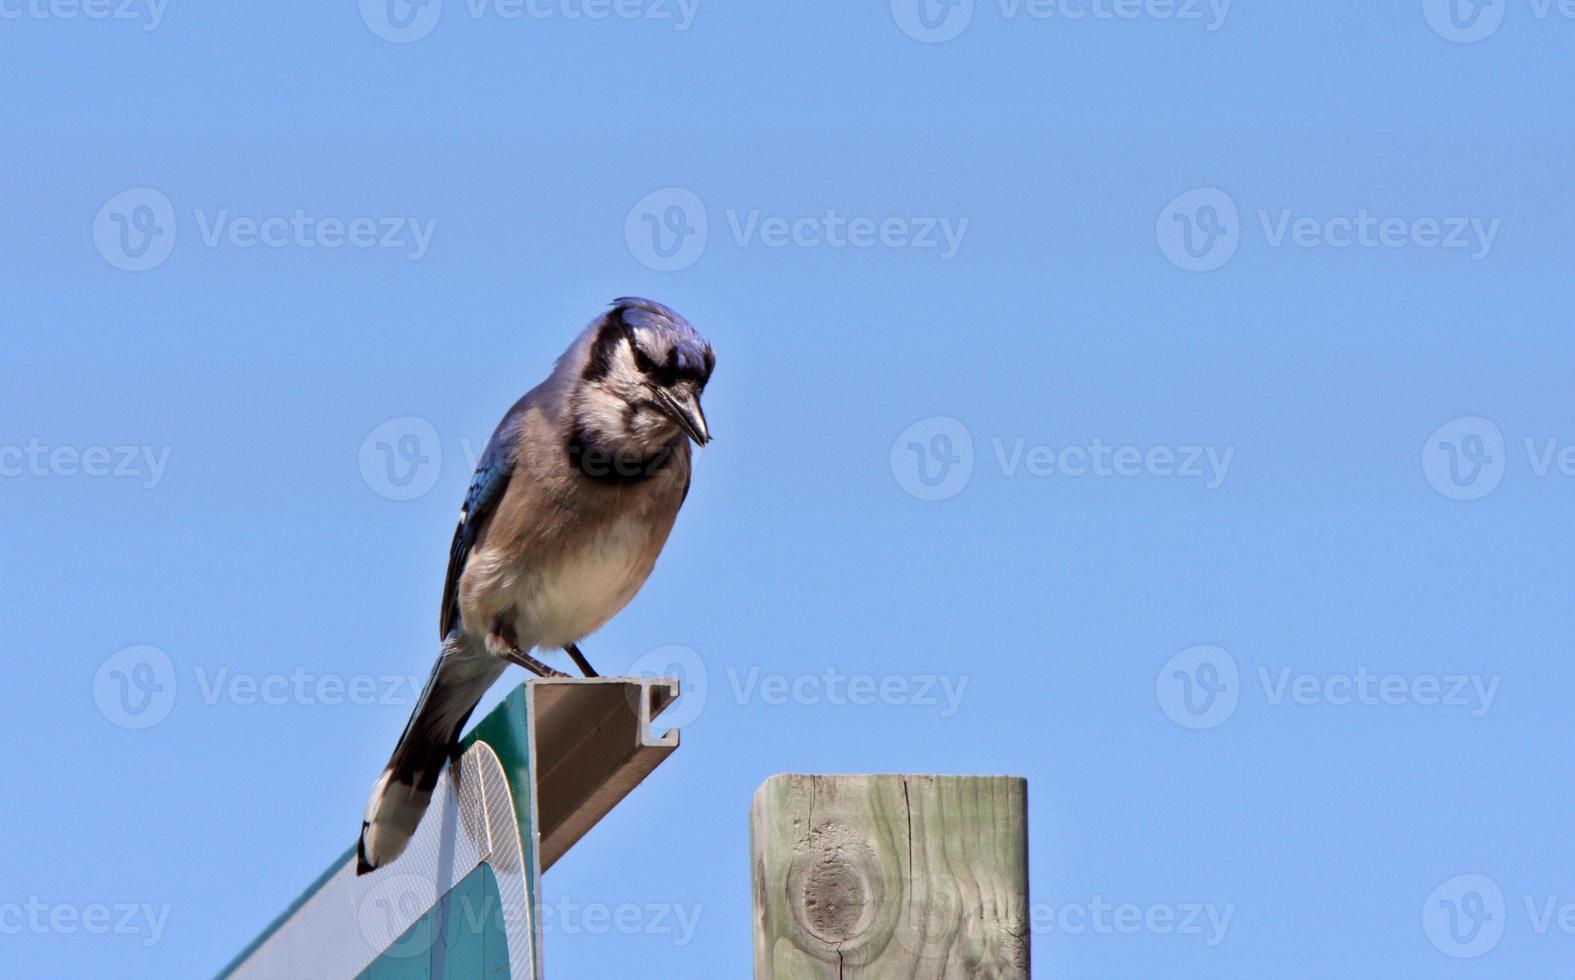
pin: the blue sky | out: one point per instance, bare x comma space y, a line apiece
1178, 392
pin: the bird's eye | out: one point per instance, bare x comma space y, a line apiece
642, 360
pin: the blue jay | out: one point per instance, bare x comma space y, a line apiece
569, 507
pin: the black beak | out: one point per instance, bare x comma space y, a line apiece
685, 410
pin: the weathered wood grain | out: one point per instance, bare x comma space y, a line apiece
890, 877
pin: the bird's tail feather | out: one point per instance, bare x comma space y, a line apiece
461, 676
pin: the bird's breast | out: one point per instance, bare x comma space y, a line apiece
572, 594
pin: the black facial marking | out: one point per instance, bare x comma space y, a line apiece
675, 367
670, 372
614, 467
605, 345
641, 360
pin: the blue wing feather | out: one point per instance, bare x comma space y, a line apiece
486, 489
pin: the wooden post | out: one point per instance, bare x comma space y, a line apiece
890, 877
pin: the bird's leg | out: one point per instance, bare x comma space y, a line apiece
531, 664
502, 642
580, 661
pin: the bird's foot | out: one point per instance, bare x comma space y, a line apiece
503, 644
531, 664
579, 660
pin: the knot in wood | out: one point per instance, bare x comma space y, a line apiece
839, 885
834, 898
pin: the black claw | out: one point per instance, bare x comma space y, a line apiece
579, 660
533, 665
362, 865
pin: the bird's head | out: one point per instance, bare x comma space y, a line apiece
641, 380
